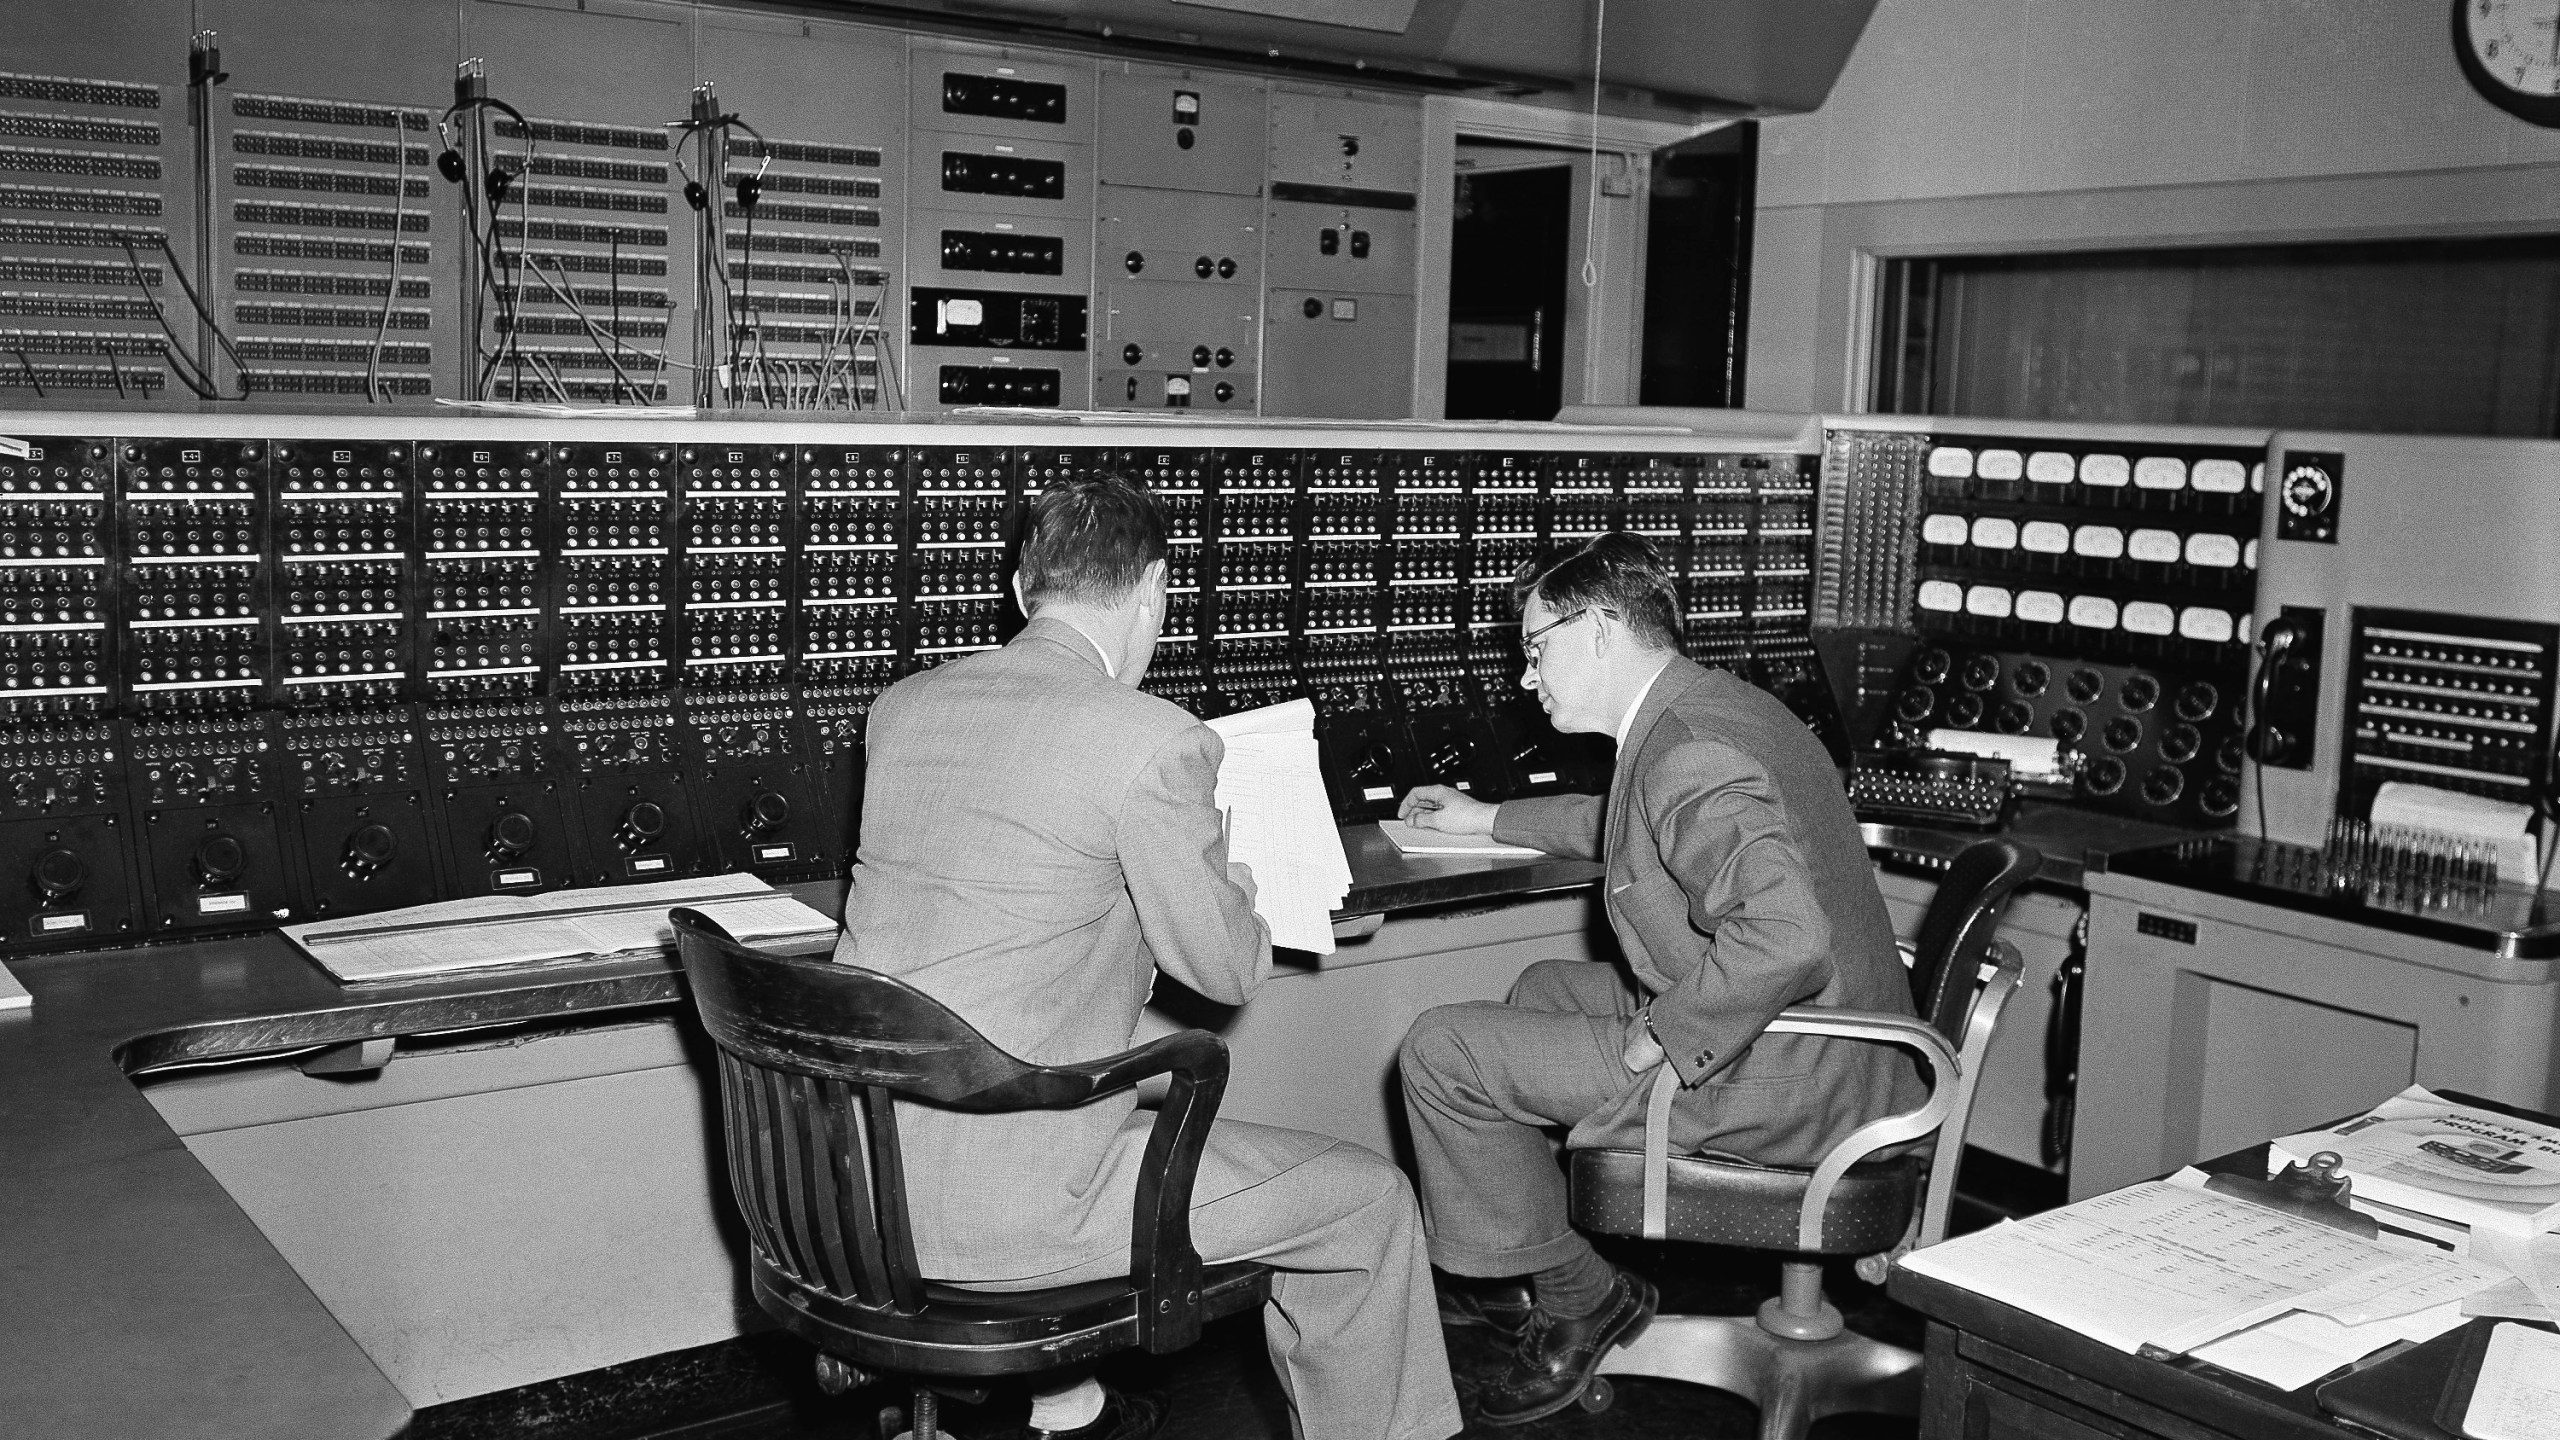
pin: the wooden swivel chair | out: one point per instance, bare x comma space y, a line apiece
811, 1054
1794, 1359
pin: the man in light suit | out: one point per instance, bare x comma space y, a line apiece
1039, 839
1737, 885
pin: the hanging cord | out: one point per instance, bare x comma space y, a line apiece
391, 285
189, 368
28, 366
567, 293
1591, 205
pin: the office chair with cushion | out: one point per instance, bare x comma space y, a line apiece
811, 1053
1794, 1359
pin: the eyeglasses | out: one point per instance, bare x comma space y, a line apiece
1534, 648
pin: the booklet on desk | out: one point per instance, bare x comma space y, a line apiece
13, 995
494, 930
2420, 1153
2173, 1267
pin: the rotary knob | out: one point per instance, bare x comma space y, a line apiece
512, 835
641, 827
219, 860
58, 875
766, 813
368, 850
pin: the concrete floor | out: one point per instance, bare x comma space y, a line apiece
1221, 1389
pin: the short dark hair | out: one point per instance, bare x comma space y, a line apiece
1090, 540
1619, 572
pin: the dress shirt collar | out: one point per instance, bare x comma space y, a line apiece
1108, 669
1628, 720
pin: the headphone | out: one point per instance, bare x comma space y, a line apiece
450, 163
750, 188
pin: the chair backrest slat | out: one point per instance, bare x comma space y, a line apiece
813, 1057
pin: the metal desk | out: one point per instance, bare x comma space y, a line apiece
137, 1297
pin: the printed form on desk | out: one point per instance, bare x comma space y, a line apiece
2174, 1266
494, 930
1279, 824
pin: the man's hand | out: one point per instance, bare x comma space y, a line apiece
1642, 1051
1454, 812
1242, 875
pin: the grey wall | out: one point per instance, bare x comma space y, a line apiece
1971, 126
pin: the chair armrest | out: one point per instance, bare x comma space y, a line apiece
1163, 1264
1875, 1027
1952, 1077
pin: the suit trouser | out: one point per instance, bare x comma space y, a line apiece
1483, 1084
1353, 1327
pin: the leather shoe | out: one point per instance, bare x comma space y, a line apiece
1557, 1356
1501, 1306
1124, 1417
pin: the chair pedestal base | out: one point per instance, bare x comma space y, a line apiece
1794, 1382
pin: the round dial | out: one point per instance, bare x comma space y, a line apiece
2308, 490
2510, 52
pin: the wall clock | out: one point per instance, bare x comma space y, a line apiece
2510, 52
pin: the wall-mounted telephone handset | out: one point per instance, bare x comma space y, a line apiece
2284, 697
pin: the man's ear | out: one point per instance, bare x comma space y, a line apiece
1152, 581
1018, 597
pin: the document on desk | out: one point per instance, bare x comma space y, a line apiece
2171, 1266
1414, 840
2517, 1394
1280, 825
496, 930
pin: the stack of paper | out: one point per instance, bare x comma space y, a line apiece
2174, 1266
1279, 824
2486, 1184
555, 925
2422, 1154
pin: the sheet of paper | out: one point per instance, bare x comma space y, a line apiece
2157, 1264
1413, 840
1279, 824
2518, 1393
449, 946
2293, 1350
2412, 1283
498, 930
2512, 1300
13, 995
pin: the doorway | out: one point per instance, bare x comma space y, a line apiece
1507, 257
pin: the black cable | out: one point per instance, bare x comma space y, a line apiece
207, 316
29, 367
391, 284
187, 367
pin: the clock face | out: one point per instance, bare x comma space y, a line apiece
2510, 51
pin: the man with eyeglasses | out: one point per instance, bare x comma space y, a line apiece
1737, 885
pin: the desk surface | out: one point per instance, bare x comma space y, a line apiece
2169, 1398
136, 1299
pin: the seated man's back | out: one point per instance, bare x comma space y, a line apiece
1036, 839
1039, 840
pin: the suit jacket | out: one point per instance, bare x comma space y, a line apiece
1038, 840
1737, 885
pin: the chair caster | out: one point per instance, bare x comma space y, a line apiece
836, 1377
1599, 1395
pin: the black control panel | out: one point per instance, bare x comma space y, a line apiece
256, 681
2093, 594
